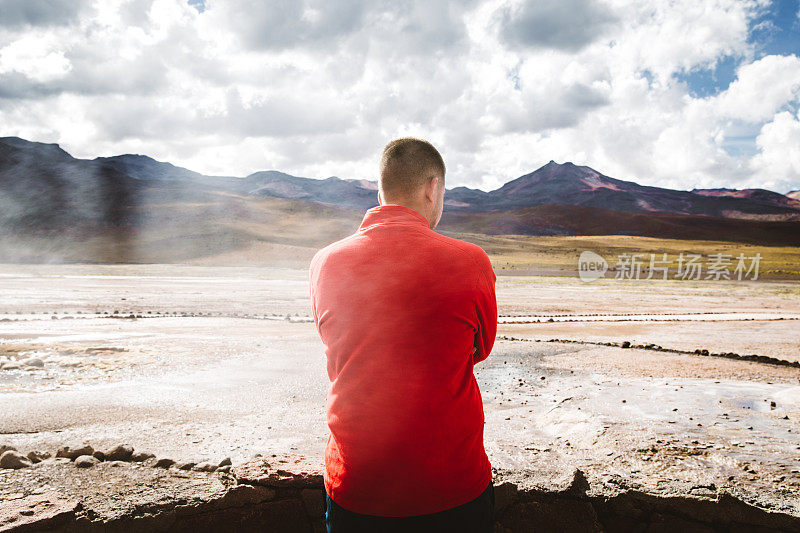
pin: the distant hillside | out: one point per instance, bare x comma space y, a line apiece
569, 184
132, 208
582, 220
759, 195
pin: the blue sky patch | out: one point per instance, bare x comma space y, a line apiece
776, 31
199, 5
710, 81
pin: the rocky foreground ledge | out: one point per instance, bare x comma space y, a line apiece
268, 495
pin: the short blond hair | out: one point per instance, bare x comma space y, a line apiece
407, 164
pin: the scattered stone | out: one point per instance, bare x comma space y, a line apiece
626, 344
205, 466
164, 463
73, 453
225, 462
186, 465
226, 468
100, 455
35, 362
142, 456
86, 461
122, 452
38, 457
117, 464
4, 448
13, 459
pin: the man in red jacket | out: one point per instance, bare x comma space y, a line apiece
404, 314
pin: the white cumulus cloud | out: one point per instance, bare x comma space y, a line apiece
316, 88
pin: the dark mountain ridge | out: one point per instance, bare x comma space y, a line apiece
552, 184
570, 184
45, 192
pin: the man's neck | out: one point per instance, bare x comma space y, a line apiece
413, 205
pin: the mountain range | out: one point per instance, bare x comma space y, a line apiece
47, 193
552, 184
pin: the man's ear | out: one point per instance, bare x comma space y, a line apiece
431, 187
380, 201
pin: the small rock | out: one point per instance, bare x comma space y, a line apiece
4, 448
142, 456
186, 465
205, 466
122, 452
626, 344
225, 462
100, 455
73, 453
226, 468
86, 461
13, 459
117, 464
35, 362
38, 457
164, 463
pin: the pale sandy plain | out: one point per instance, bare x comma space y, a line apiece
225, 361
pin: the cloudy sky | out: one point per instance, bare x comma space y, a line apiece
678, 93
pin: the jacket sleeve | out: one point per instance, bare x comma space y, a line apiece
486, 307
311, 281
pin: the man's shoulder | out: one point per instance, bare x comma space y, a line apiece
329, 250
467, 251
471, 251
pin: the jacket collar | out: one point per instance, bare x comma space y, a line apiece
393, 214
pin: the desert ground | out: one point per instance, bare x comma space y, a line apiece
199, 362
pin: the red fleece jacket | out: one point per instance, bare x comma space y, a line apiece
399, 308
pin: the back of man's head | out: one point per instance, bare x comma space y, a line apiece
406, 165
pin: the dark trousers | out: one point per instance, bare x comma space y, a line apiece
476, 516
